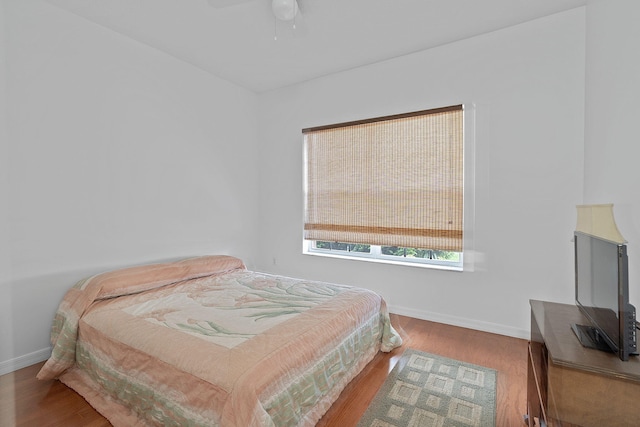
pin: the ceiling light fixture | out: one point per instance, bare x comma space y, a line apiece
285, 10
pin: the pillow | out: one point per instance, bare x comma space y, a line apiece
137, 279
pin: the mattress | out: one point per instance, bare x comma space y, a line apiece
204, 341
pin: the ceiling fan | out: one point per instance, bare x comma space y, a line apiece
284, 10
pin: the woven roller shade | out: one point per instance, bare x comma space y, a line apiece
395, 181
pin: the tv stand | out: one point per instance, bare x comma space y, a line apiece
571, 385
590, 337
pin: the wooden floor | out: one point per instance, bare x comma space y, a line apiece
25, 401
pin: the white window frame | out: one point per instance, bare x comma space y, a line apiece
376, 255
466, 262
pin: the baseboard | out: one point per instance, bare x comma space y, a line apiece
25, 360
493, 328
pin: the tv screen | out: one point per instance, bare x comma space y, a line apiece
602, 294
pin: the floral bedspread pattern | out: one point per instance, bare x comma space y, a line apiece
233, 308
210, 343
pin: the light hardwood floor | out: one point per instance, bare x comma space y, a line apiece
25, 401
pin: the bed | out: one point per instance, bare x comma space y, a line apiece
206, 342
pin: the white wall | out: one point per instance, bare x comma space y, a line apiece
612, 136
119, 154
527, 83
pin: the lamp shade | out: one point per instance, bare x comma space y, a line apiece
597, 220
284, 10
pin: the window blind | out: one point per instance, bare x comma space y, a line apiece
391, 181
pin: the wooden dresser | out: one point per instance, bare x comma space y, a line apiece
570, 385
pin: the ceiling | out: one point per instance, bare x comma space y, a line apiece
234, 39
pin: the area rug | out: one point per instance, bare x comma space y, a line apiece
426, 390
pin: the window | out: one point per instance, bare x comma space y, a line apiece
389, 188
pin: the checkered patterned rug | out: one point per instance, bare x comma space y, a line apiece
426, 390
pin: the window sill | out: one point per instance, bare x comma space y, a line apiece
384, 261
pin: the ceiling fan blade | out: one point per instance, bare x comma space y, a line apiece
219, 4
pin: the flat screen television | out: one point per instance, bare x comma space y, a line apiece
602, 295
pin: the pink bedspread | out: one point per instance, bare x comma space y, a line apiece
205, 342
